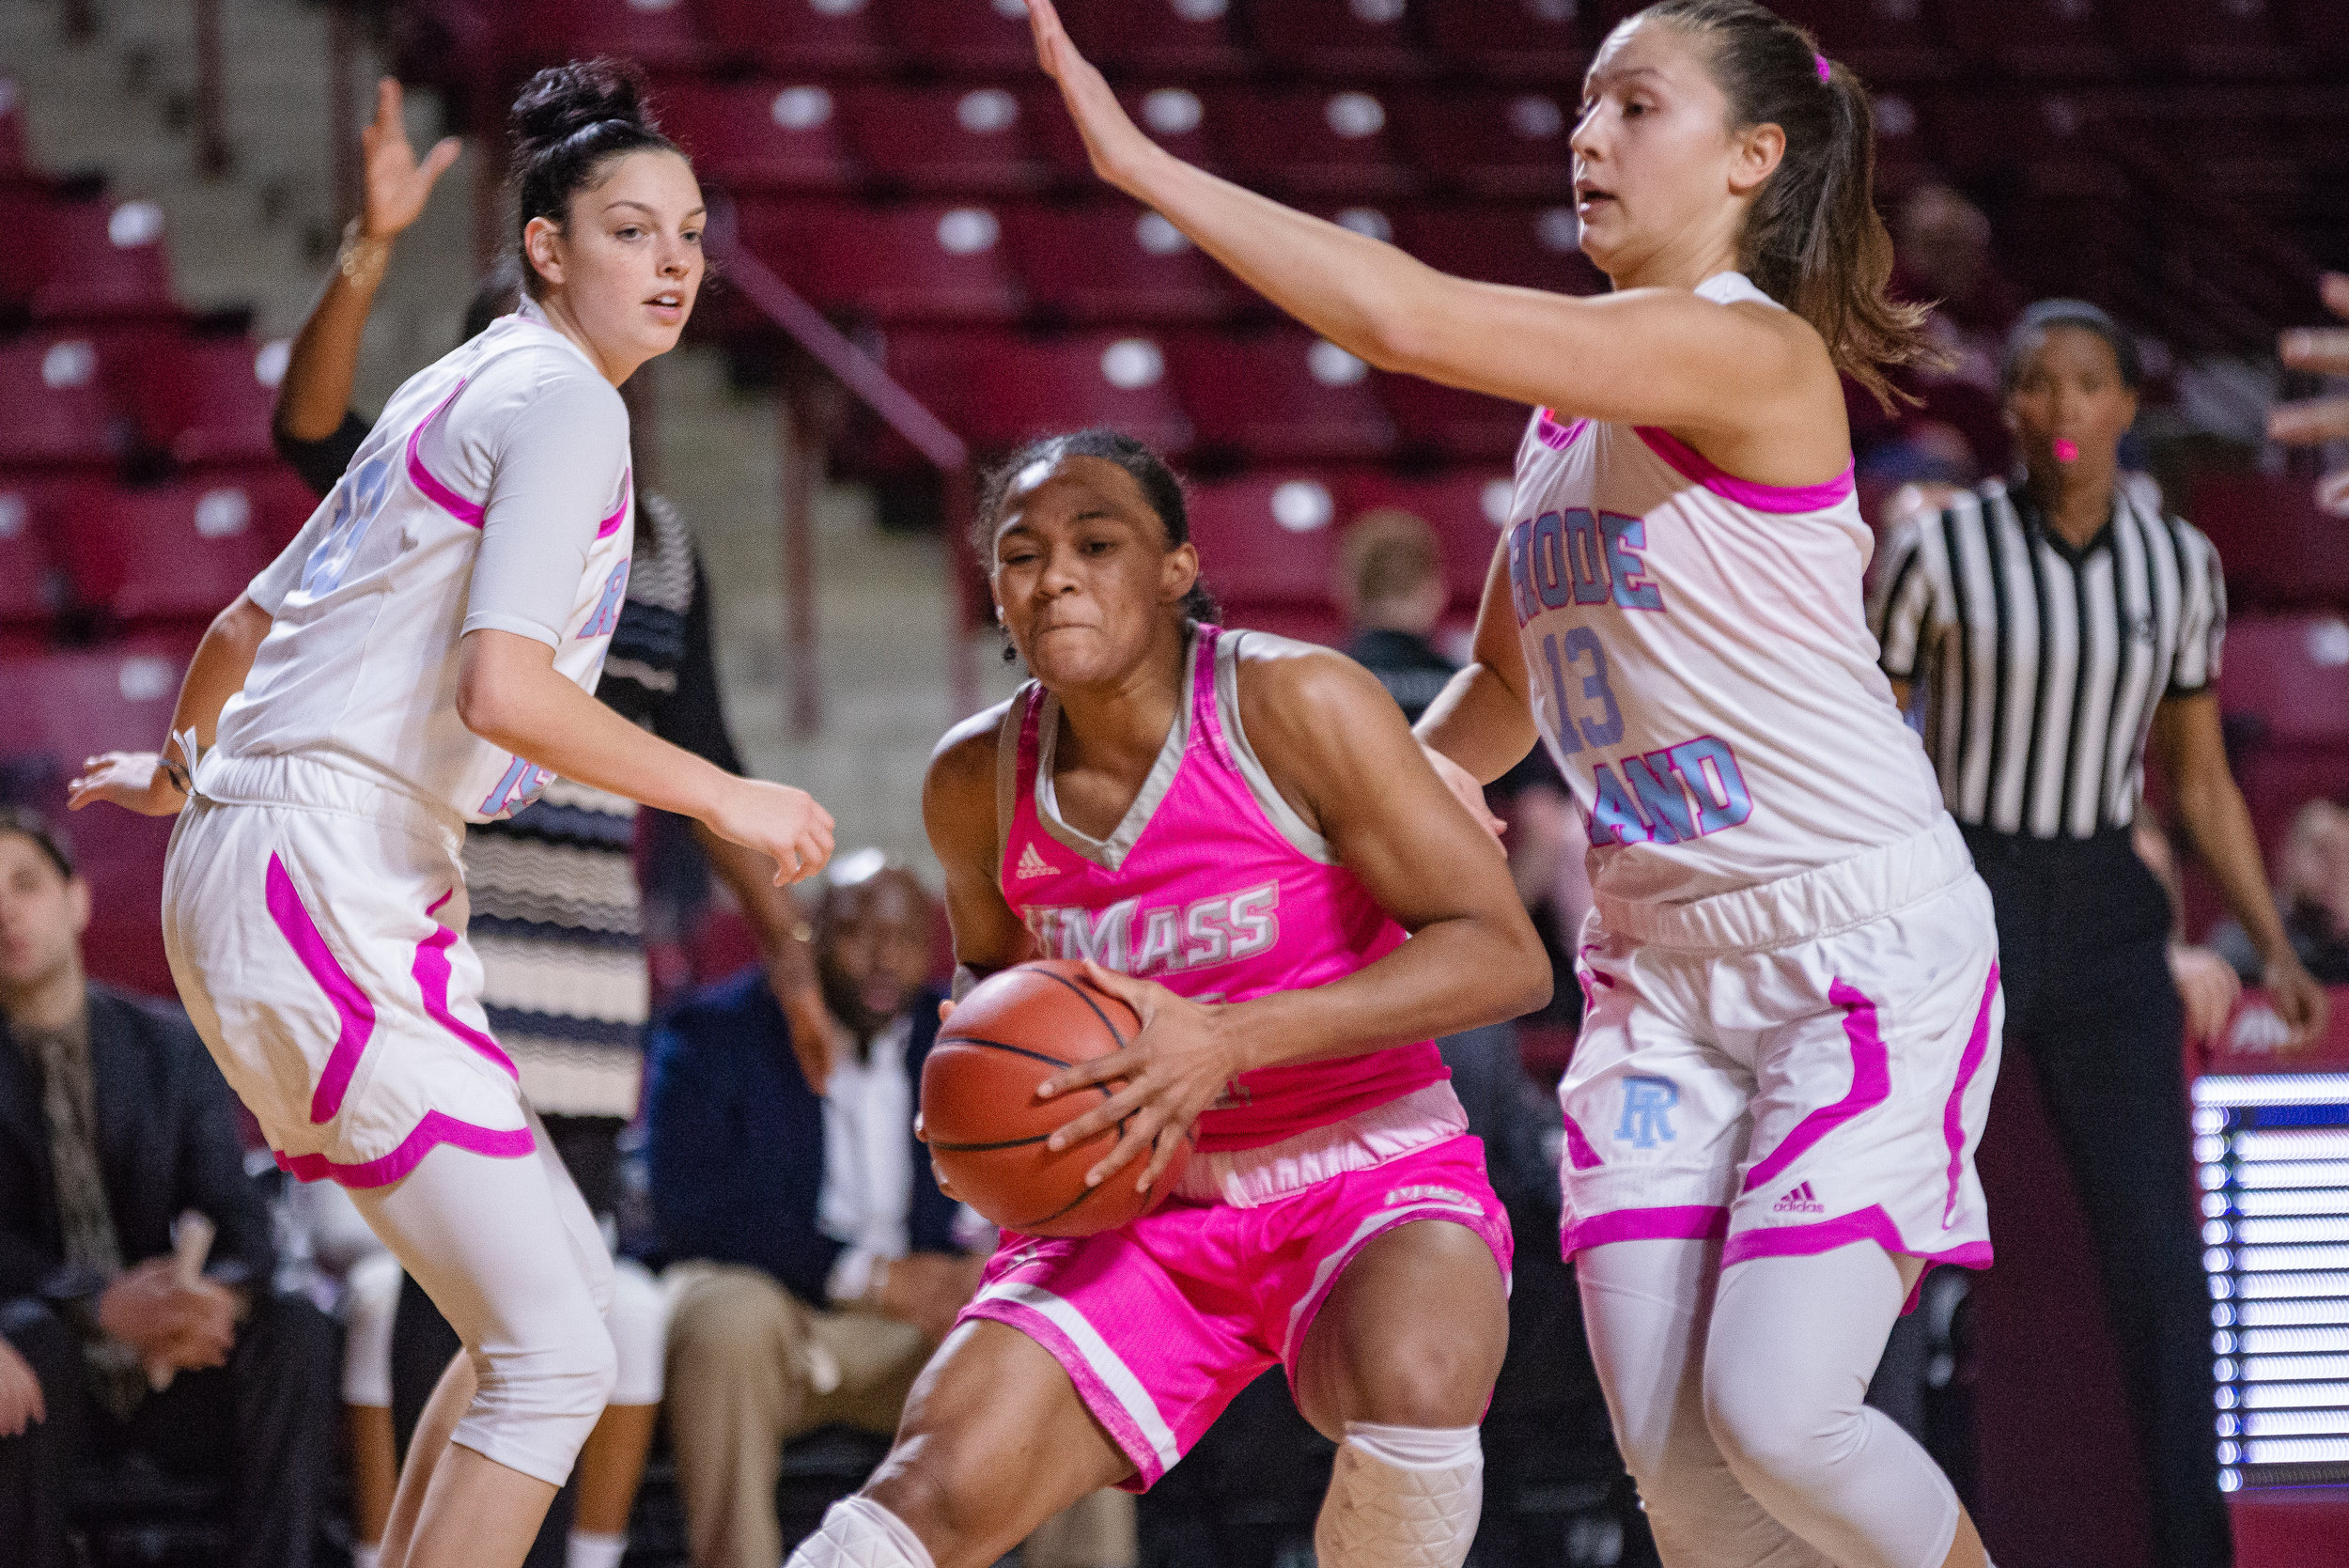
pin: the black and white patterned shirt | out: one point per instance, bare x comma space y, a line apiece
2042, 664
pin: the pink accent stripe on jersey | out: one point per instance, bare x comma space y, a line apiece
611, 525
1678, 1223
1824, 1235
431, 970
1556, 436
1954, 1114
356, 1012
1870, 1086
467, 512
436, 1127
1746, 492
1579, 1151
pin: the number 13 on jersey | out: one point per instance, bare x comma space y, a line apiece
1662, 797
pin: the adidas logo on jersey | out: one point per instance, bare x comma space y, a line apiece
1800, 1201
1033, 864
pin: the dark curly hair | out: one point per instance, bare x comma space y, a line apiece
1161, 487
567, 123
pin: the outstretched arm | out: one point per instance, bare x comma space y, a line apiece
1754, 386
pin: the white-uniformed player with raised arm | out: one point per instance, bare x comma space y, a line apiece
1794, 1008
420, 657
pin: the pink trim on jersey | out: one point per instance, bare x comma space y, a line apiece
1953, 1113
611, 525
1746, 492
1674, 1222
1870, 1086
469, 513
1208, 873
1555, 436
354, 1013
1824, 1235
436, 1127
431, 970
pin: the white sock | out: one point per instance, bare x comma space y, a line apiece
590, 1550
858, 1533
367, 1554
1402, 1497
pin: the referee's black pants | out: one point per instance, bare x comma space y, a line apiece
2083, 952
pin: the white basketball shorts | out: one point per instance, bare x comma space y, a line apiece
1792, 1067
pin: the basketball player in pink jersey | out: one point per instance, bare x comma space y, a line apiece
421, 656
1238, 833
1794, 1008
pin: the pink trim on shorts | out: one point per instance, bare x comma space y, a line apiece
353, 1010
1747, 493
1824, 1235
436, 1127
431, 970
1676, 1222
1580, 1154
1954, 1114
1555, 436
1870, 1086
611, 525
469, 513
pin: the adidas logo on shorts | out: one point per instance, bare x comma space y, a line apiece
1801, 1200
1033, 864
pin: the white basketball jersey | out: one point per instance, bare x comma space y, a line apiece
443, 524
1700, 661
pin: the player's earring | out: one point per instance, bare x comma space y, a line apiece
1011, 654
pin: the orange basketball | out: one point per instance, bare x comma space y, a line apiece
985, 1126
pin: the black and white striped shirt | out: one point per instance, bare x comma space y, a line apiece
2042, 666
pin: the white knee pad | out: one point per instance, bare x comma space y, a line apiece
858, 1533
1402, 1497
639, 1320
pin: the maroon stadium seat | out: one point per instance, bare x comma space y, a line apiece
2037, 38
1465, 506
224, 394
659, 34
1268, 547
30, 582
1108, 263
968, 37
55, 402
1533, 247
952, 140
102, 260
12, 165
1448, 422
180, 551
2284, 686
2275, 547
1284, 396
1180, 37
934, 262
1185, 122
1884, 40
1547, 41
751, 136
795, 38
2210, 38
2321, 28
1314, 141
996, 389
1509, 144
1351, 38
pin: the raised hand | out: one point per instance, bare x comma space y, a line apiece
1111, 139
2323, 351
133, 780
396, 186
778, 821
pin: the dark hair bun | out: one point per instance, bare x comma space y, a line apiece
562, 101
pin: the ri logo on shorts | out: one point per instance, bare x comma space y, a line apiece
1647, 1104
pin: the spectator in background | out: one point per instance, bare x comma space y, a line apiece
814, 1265
1943, 256
2312, 893
113, 1123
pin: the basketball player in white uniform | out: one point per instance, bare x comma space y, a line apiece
1794, 1011
419, 658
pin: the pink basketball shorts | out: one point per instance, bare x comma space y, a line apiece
1160, 1323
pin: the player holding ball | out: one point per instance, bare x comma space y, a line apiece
1239, 833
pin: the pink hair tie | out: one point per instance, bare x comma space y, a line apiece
1825, 69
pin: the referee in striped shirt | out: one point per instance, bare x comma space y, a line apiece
2055, 625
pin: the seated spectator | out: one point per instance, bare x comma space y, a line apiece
814, 1265
114, 1122
2312, 891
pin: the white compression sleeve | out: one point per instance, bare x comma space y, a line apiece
1402, 1497
1793, 1344
858, 1533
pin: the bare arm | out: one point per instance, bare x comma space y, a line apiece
785, 951
1336, 746
958, 812
1482, 720
1750, 387
509, 695
316, 393
2193, 759
143, 781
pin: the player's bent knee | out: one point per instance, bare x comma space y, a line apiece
1764, 1429
534, 1406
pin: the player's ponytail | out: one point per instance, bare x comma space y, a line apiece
567, 123
1158, 483
1814, 240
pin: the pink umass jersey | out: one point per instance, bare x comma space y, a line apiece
1212, 886
1700, 663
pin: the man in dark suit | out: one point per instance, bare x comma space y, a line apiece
114, 1122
